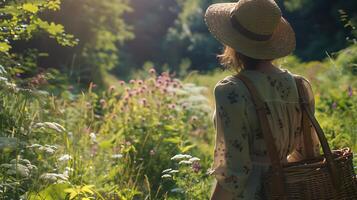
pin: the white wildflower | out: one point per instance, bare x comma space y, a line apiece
117, 156
181, 156
194, 159
65, 157
93, 137
166, 176
174, 171
166, 170
53, 177
185, 162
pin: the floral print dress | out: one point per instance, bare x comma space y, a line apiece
240, 156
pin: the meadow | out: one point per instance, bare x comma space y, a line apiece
148, 138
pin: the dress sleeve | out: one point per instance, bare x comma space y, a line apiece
299, 152
232, 164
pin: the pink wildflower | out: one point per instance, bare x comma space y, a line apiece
152, 71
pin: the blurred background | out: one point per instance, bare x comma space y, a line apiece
120, 37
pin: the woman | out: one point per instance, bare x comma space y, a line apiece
254, 34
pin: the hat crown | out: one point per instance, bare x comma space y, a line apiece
257, 16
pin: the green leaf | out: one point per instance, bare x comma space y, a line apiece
187, 148
175, 140
4, 47
55, 29
53, 192
30, 8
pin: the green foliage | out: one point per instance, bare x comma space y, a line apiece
134, 129
101, 31
21, 21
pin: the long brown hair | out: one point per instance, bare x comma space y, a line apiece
233, 60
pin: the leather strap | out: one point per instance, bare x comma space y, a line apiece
321, 135
306, 124
261, 109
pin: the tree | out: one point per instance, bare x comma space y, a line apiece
100, 29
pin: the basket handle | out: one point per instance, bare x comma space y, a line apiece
320, 133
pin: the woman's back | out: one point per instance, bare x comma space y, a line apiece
240, 153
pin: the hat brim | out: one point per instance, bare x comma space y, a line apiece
281, 44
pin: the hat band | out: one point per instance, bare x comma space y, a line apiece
247, 33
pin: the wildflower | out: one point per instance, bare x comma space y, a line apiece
184, 106
159, 82
93, 137
140, 82
117, 156
48, 148
67, 170
166, 176
194, 159
152, 152
196, 167
172, 106
350, 91
111, 88
174, 171
334, 105
65, 157
122, 83
194, 118
181, 156
152, 71
126, 98
102, 102
54, 177
144, 101
166, 170
132, 81
185, 162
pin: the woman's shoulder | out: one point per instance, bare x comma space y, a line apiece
226, 83
306, 82
229, 84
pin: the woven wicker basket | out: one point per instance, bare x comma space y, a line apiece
311, 180
329, 177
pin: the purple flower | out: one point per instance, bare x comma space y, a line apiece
334, 105
196, 167
350, 91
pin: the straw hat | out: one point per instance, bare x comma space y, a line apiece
254, 28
